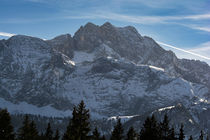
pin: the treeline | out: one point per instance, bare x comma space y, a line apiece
79, 129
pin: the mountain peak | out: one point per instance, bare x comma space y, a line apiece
107, 24
90, 25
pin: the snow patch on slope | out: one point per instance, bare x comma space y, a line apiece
122, 118
156, 68
166, 108
25, 108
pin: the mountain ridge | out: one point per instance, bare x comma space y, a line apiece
115, 70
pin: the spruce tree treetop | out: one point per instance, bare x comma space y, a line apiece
57, 135
201, 135
131, 135
28, 131
171, 135
191, 138
96, 134
68, 134
181, 133
49, 132
164, 128
23, 132
117, 133
103, 138
150, 130
79, 125
6, 129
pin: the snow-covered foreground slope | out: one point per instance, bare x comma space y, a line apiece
116, 71
26, 108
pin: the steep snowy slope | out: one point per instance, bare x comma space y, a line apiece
130, 45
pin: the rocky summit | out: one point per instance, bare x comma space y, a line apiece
115, 70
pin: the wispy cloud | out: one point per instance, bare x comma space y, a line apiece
206, 29
198, 17
203, 49
155, 19
148, 19
6, 34
194, 53
116, 16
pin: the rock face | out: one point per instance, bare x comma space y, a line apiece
115, 70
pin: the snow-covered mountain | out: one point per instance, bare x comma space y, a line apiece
115, 70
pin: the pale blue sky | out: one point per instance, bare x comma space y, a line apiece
182, 23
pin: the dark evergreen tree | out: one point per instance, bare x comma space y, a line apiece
42, 137
103, 138
164, 128
83, 123
181, 132
79, 125
150, 130
96, 134
49, 132
6, 129
23, 132
171, 135
57, 135
33, 131
131, 135
191, 138
201, 135
28, 131
117, 133
67, 135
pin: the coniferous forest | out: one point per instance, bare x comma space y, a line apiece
79, 128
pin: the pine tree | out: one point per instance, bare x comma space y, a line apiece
131, 135
191, 138
33, 131
150, 129
201, 135
42, 137
117, 133
171, 135
96, 134
6, 129
68, 135
181, 133
28, 131
164, 128
103, 138
82, 120
49, 132
23, 132
57, 135
79, 125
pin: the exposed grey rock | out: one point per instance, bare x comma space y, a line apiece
63, 44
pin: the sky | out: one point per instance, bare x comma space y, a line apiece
182, 26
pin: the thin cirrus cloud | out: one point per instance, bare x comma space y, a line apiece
150, 19
183, 50
203, 49
156, 19
120, 17
127, 18
206, 29
200, 53
6, 34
